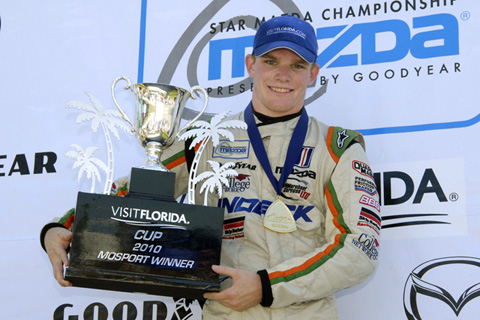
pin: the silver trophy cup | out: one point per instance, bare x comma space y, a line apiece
158, 111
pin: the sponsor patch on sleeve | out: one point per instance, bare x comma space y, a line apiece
365, 185
368, 244
370, 219
370, 202
362, 168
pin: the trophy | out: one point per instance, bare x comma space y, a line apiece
146, 241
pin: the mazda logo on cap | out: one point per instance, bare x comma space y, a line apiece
429, 279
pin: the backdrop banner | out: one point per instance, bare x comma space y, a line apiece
403, 73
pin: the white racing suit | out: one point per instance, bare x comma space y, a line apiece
332, 196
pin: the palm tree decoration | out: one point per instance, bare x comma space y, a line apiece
203, 132
109, 120
216, 178
86, 163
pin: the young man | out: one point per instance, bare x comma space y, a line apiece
314, 177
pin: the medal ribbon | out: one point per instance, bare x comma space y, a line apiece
293, 152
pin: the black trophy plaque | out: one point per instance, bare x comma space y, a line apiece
145, 242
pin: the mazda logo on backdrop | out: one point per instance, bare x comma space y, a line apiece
451, 280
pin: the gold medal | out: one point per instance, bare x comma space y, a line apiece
279, 218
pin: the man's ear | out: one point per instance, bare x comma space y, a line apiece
314, 73
250, 64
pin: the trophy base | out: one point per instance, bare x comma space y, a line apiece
155, 285
139, 244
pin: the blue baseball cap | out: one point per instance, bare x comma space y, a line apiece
286, 32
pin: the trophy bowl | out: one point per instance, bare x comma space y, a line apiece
158, 112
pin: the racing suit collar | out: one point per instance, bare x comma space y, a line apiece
265, 120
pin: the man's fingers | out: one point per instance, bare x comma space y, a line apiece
245, 292
57, 241
223, 270
64, 256
223, 296
65, 237
218, 296
58, 274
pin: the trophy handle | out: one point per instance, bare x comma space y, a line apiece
205, 96
123, 114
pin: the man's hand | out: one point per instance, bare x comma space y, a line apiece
245, 292
57, 241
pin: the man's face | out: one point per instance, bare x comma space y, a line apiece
281, 78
